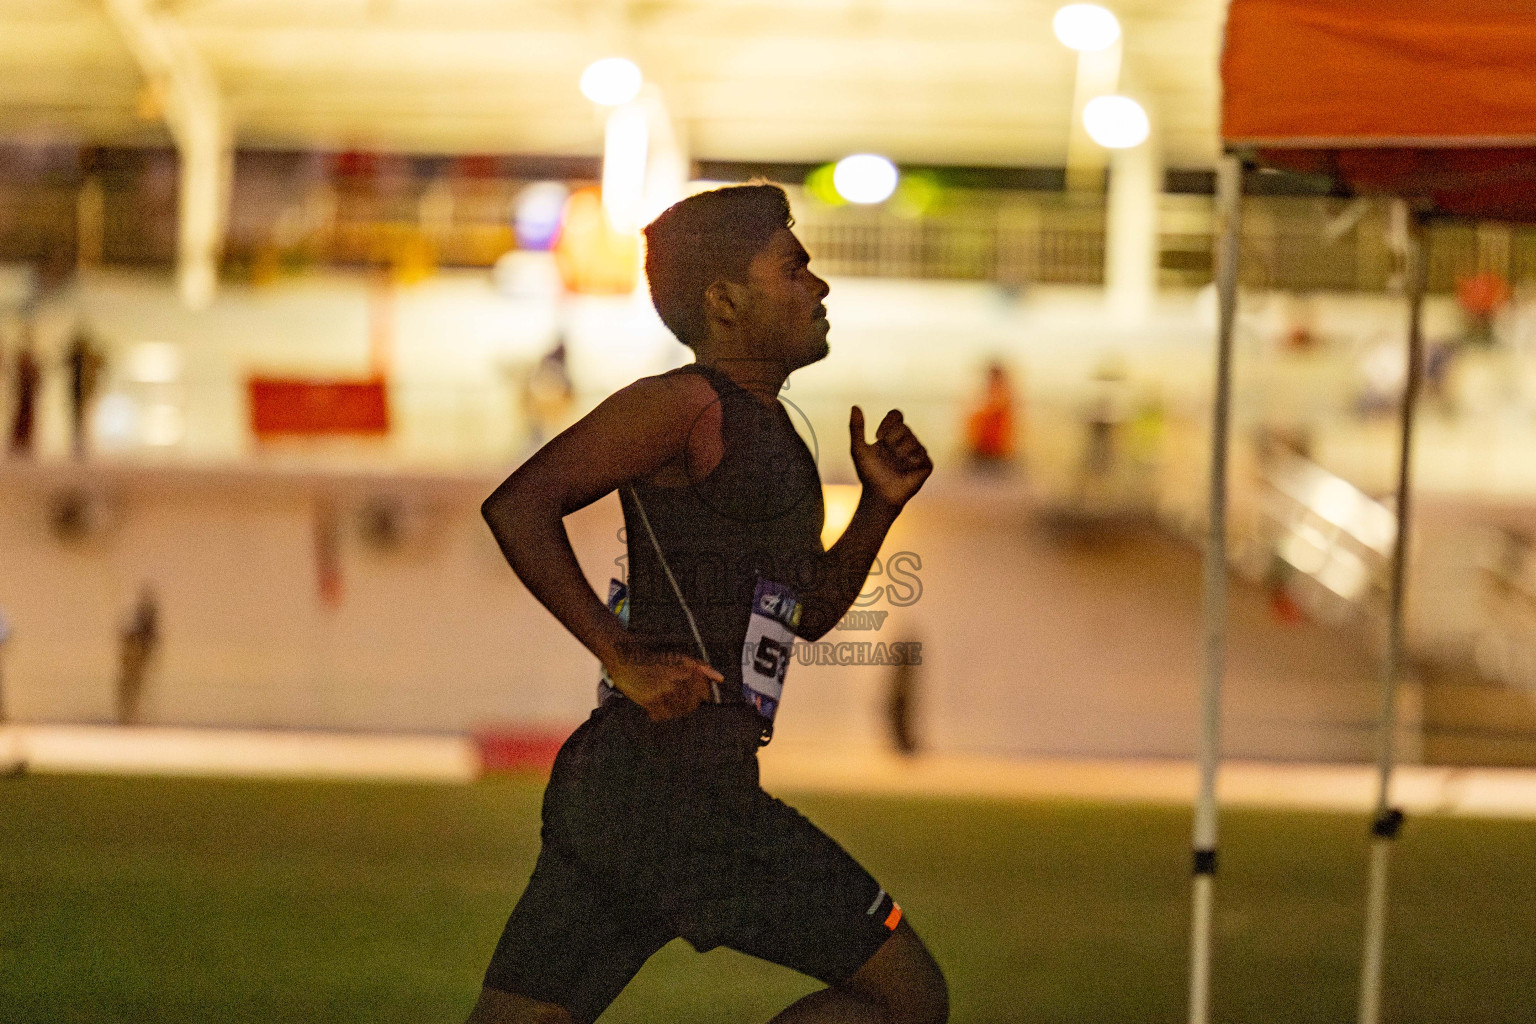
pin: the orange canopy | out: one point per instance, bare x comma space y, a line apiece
1430, 99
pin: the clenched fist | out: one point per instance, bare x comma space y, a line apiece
895, 466
666, 685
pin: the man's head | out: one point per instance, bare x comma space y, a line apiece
728, 277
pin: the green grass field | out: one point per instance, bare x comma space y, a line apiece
196, 900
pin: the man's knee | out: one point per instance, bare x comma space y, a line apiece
497, 1007
926, 1003
905, 980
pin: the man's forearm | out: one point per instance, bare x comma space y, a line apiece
532, 536
841, 574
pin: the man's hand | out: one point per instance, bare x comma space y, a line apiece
891, 470
895, 466
665, 685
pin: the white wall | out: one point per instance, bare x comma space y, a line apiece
458, 343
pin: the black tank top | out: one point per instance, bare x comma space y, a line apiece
759, 512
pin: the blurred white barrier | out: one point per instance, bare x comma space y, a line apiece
1417, 789
787, 767
115, 750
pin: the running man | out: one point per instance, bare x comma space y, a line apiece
654, 823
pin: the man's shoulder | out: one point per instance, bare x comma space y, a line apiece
679, 389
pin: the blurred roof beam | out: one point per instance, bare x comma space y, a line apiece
961, 82
188, 95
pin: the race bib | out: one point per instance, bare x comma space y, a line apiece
618, 603
769, 646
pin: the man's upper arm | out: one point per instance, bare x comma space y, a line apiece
630, 435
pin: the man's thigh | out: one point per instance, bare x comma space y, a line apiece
571, 941
801, 900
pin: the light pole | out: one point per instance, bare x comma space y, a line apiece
1109, 127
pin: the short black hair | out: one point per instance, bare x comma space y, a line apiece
703, 239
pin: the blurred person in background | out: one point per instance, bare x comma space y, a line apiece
548, 394
1439, 358
13, 760
5, 636
990, 429
138, 644
901, 704
655, 825
1482, 297
27, 378
1102, 419
1144, 435
85, 363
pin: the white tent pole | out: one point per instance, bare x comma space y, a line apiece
1229, 196
1388, 820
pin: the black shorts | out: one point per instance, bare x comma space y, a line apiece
659, 831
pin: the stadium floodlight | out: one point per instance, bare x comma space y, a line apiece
1086, 27
611, 82
1116, 122
864, 178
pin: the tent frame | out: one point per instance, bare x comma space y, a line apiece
1387, 819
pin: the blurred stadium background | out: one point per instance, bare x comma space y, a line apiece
286, 288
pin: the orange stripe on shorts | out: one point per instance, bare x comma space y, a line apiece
894, 917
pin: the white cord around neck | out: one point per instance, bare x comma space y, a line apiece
698, 638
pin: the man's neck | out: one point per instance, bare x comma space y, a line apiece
763, 377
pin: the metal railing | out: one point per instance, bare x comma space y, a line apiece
1013, 237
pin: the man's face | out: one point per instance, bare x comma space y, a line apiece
785, 318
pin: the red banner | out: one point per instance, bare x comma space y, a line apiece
316, 407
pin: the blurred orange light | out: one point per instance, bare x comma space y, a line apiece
593, 258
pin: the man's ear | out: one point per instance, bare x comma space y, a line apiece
722, 301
